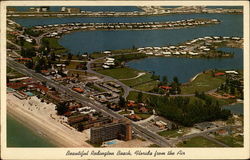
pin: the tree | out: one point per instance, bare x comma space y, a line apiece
80, 127
69, 56
38, 68
139, 97
29, 64
61, 108
232, 90
21, 41
133, 47
122, 102
176, 80
165, 80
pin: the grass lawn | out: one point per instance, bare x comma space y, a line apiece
72, 65
223, 101
231, 141
27, 45
204, 82
53, 43
198, 142
133, 96
146, 86
80, 72
143, 115
124, 112
97, 88
120, 73
171, 133
13, 74
97, 55
133, 82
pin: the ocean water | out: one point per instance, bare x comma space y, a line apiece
18, 135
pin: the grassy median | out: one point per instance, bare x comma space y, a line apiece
198, 142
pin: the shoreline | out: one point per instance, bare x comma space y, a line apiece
54, 132
30, 127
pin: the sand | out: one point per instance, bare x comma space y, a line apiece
41, 117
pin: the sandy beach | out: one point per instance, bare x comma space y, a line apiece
41, 117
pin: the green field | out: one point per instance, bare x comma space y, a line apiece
53, 44
204, 82
72, 65
13, 74
198, 142
97, 55
124, 112
147, 86
133, 96
143, 82
120, 73
231, 141
171, 133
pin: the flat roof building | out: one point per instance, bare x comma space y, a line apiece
116, 130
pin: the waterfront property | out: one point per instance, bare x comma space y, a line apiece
116, 130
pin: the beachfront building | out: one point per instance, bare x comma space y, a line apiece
116, 130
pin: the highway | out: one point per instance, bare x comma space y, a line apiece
155, 138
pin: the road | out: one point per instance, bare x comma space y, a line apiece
155, 138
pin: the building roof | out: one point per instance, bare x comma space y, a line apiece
78, 90
131, 104
165, 87
42, 88
219, 74
134, 116
143, 109
16, 85
23, 59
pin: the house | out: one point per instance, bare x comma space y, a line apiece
115, 107
165, 87
79, 90
222, 132
74, 107
73, 10
16, 86
134, 117
67, 114
219, 74
131, 104
204, 125
161, 124
45, 72
21, 95
231, 72
42, 89
107, 52
54, 95
143, 110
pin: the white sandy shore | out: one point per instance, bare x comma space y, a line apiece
38, 116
